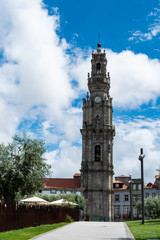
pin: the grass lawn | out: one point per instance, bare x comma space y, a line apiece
30, 232
150, 229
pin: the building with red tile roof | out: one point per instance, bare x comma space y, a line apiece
62, 185
121, 190
157, 181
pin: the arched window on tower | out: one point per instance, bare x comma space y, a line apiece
97, 153
98, 68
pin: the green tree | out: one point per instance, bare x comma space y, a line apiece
73, 197
139, 207
22, 166
151, 207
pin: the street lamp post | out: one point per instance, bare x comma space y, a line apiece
131, 206
141, 156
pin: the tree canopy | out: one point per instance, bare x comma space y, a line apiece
73, 197
22, 166
151, 207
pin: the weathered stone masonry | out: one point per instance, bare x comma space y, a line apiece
97, 141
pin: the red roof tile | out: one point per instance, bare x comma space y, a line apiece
149, 187
149, 184
68, 183
117, 181
123, 188
77, 175
157, 176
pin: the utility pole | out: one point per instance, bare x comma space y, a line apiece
141, 156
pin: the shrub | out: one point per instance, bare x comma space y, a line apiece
69, 219
151, 207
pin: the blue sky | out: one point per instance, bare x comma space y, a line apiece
115, 20
45, 49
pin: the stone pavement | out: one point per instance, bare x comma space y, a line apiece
89, 231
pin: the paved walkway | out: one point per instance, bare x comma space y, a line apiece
89, 231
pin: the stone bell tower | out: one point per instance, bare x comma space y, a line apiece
97, 141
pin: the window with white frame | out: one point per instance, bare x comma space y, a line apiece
126, 210
126, 197
147, 195
53, 191
153, 195
134, 186
134, 198
68, 191
116, 198
134, 212
139, 186
117, 211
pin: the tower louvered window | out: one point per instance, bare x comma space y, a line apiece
97, 153
98, 66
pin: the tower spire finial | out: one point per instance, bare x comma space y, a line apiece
99, 44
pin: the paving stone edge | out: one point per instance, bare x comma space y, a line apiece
128, 232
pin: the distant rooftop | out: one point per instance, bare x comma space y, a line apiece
63, 183
122, 176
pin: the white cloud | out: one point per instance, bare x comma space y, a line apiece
134, 78
130, 137
80, 68
35, 82
66, 128
8, 122
139, 35
65, 161
35, 71
152, 31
